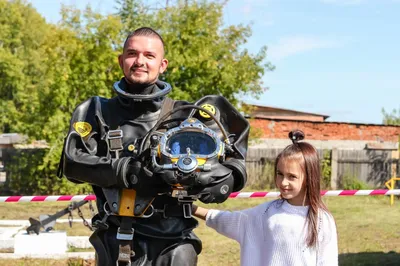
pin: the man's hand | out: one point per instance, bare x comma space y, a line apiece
239, 172
218, 192
134, 174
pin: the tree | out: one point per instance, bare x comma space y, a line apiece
47, 70
392, 118
23, 32
204, 57
85, 47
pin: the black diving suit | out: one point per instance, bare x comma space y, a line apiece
101, 149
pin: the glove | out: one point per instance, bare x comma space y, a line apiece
238, 171
134, 174
219, 192
220, 189
122, 171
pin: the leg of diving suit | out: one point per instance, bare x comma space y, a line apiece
149, 251
183, 254
106, 246
167, 252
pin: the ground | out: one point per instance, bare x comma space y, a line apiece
368, 231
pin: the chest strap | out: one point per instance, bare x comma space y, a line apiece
114, 141
125, 231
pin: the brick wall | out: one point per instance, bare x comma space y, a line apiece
279, 129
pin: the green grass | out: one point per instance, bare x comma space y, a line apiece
368, 231
77, 229
49, 262
25, 210
73, 249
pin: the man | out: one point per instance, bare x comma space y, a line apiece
102, 149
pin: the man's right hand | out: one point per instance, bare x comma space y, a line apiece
134, 174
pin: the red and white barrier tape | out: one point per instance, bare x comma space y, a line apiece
46, 198
233, 195
323, 193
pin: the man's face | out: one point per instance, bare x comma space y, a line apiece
143, 60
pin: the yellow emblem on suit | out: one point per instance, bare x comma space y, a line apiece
83, 128
131, 147
208, 107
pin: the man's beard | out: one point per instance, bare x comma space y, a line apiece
131, 79
136, 87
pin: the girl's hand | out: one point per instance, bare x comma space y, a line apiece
199, 212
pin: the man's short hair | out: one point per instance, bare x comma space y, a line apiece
144, 31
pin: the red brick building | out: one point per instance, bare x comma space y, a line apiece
276, 123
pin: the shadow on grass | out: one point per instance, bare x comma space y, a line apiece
370, 259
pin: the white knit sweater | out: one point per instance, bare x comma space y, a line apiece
274, 234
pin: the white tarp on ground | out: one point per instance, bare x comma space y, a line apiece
9, 229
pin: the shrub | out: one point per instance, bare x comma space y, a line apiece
25, 176
352, 183
326, 170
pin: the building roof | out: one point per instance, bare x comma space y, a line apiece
261, 111
12, 138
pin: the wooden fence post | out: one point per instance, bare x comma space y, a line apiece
334, 169
395, 156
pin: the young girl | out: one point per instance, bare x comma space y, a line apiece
296, 229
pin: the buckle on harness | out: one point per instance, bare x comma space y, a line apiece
187, 210
125, 236
124, 257
114, 138
101, 224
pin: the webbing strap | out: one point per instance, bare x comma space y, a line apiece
114, 139
167, 106
125, 237
125, 231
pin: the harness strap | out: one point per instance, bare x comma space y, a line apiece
60, 169
125, 231
167, 106
102, 256
114, 141
184, 210
125, 237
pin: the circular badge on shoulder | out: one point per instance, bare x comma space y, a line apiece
208, 107
83, 128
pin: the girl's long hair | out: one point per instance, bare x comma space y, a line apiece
307, 156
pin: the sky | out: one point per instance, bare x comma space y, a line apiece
339, 58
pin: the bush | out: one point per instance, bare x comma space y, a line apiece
255, 135
263, 179
350, 182
326, 170
24, 176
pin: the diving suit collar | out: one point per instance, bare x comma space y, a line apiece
120, 88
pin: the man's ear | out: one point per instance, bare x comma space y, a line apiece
163, 66
120, 62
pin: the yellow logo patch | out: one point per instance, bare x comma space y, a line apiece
131, 147
208, 107
83, 128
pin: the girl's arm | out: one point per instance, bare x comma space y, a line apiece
327, 254
226, 223
199, 212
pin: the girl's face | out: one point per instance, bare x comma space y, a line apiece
290, 181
